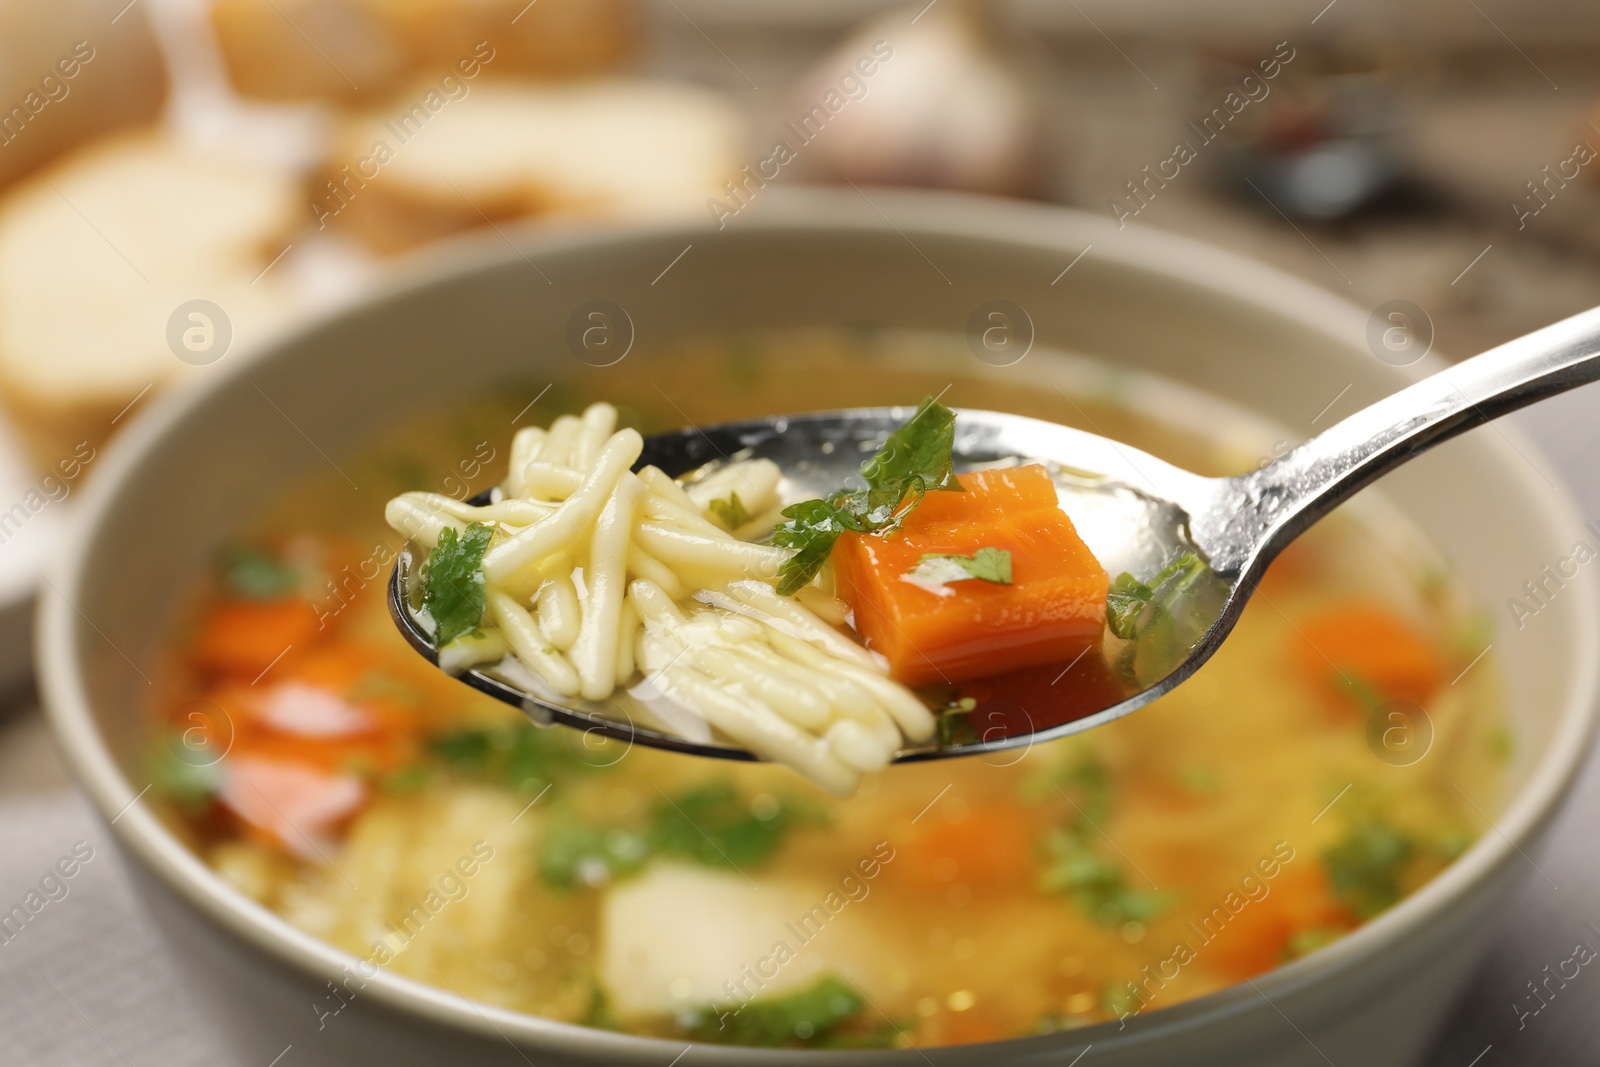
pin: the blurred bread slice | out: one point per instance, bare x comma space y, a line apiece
609, 149
351, 50
97, 252
69, 73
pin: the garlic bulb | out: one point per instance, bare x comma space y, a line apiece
921, 96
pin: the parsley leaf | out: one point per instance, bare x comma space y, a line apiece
730, 512
1163, 618
574, 854
711, 825
716, 827
936, 571
1095, 884
454, 591
919, 449
1133, 607
914, 459
1073, 862
772, 1022
520, 755
1367, 866
254, 575
189, 783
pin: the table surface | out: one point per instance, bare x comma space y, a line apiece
1478, 128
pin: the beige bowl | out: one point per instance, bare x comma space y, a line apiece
174, 485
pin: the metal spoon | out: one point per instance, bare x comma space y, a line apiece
1134, 511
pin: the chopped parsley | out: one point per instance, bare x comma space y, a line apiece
1367, 867
1095, 884
252, 574
1162, 618
1073, 862
936, 570
454, 589
715, 826
916, 458
730, 512
518, 755
804, 1017
574, 854
711, 825
190, 783
1134, 608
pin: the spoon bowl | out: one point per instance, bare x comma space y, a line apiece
1121, 500
1135, 512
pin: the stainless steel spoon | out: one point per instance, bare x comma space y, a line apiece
1135, 512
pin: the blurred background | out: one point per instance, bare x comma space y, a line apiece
163, 160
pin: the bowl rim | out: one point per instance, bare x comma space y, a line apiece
807, 212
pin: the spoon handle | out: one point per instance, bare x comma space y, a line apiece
1251, 517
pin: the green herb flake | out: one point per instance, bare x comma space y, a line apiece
715, 826
518, 755
804, 1018
573, 854
454, 590
1133, 606
920, 449
1367, 867
1096, 885
252, 574
189, 783
730, 512
915, 458
936, 570
711, 825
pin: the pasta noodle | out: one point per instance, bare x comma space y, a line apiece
597, 577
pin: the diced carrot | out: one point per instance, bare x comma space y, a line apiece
1053, 609
245, 636
1367, 643
985, 848
1255, 940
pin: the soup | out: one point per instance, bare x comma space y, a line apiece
1332, 757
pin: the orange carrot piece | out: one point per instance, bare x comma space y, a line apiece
1053, 609
985, 848
1256, 939
245, 636
1368, 643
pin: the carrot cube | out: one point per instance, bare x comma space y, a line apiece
1053, 609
